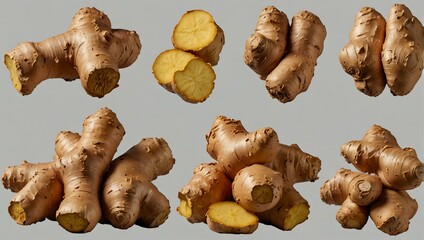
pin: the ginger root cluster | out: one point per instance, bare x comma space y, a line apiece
381, 52
250, 182
83, 185
379, 190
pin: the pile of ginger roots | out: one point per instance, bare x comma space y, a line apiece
379, 189
83, 185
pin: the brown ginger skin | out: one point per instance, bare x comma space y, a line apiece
234, 148
90, 50
294, 73
378, 152
361, 57
266, 46
361, 188
208, 185
295, 165
79, 173
392, 212
402, 55
128, 196
257, 188
352, 215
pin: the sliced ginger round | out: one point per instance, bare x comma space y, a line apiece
195, 83
195, 30
169, 62
229, 217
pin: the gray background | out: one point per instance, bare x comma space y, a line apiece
329, 114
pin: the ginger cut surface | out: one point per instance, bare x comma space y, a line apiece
265, 48
198, 33
229, 217
361, 57
403, 50
257, 188
90, 50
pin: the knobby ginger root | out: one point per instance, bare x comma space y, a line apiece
288, 72
378, 152
294, 73
90, 50
392, 212
385, 52
67, 188
266, 46
361, 188
403, 50
253, 173
128, 196
381, 193
234, 148
229, 217
208, 185
361, 57
80, 171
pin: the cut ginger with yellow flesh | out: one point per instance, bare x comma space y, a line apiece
229, 217
184, 74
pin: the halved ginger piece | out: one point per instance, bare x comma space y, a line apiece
195, 83
229, 217
169, 62
197, 32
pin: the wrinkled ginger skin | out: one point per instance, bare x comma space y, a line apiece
378, 152
361, 188
74, 177
127, 189
82, 171
208, 185
234, 148
392, 211
352, 215
90, 50
294, 73
361, 57
403, 49
257, 188
265, 48
295, 165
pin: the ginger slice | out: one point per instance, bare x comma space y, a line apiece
229, 217
195, 30
195, 83
167, 63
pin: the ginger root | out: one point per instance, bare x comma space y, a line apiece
128, 196
385, 52
67, 189
361, 57
288, 72
379, 190
253, 174
90, 50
